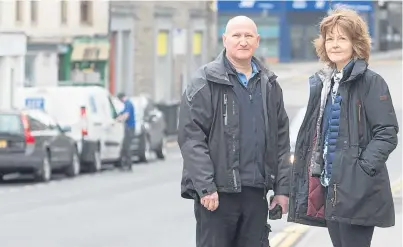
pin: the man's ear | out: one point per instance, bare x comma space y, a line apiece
224, 39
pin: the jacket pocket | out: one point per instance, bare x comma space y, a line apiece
356, 192
265, 236
359, 120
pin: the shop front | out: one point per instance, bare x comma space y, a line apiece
287, 28
89, 62
302, 21
266, 14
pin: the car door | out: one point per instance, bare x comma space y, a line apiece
48, 136
116, 131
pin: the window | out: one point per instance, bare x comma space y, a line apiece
112, 108
36, 125
86, 12
10, 123
41, 121
63, 11
19, 11
34, 11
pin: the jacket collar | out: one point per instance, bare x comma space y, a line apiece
353, 70
216, 71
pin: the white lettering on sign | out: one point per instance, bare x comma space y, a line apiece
247, 3
299, 4
320, 4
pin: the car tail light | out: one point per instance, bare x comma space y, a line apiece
83, 113
29, 139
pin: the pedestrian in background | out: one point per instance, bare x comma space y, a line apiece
351, 127
128, 116
234, 139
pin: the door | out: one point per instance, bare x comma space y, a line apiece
115, 132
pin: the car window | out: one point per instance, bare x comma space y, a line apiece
112, 109
93, 105
36, 125
42, 121
10, 123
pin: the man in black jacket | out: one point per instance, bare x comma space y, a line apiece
234, 139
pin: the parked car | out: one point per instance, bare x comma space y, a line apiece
294, 129
150, 131
32, 142
90, 115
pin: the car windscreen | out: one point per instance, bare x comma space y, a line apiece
10, 123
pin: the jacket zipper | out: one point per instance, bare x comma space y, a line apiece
359, 119
235, 182
335, 194
226, 109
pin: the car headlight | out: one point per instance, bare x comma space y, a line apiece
292, 158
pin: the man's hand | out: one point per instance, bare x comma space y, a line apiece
210, 202
282, 201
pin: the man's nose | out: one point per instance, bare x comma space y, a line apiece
243, 42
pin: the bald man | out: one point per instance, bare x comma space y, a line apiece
234, 139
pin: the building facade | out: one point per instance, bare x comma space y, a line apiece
171, 40
287, 28
50, 27
12, 62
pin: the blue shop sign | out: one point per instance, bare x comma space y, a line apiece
249, 6
323, 5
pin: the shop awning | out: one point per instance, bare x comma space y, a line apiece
90, 52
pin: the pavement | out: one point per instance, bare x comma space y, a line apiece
143, 208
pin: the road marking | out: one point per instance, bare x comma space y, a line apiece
396, 187
290, 235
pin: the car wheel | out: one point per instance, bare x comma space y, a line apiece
44, 173
147, 153
75, 166
96, 163
162, 149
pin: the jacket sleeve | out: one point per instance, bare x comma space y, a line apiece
383, 124
195, 119
282, 184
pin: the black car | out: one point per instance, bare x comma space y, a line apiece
31, 142
150, 132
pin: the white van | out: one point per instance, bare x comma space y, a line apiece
87, 113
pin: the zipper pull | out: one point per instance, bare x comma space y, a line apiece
250, 97
335, 194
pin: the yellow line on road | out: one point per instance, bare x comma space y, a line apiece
290, 235
396, 187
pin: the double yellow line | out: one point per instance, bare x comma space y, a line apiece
290, 235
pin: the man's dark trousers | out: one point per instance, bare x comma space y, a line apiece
126, 152
239, 221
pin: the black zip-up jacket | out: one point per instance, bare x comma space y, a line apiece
209, 134
359, 192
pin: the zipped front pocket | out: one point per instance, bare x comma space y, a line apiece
334, 195
359, 107
225, 109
